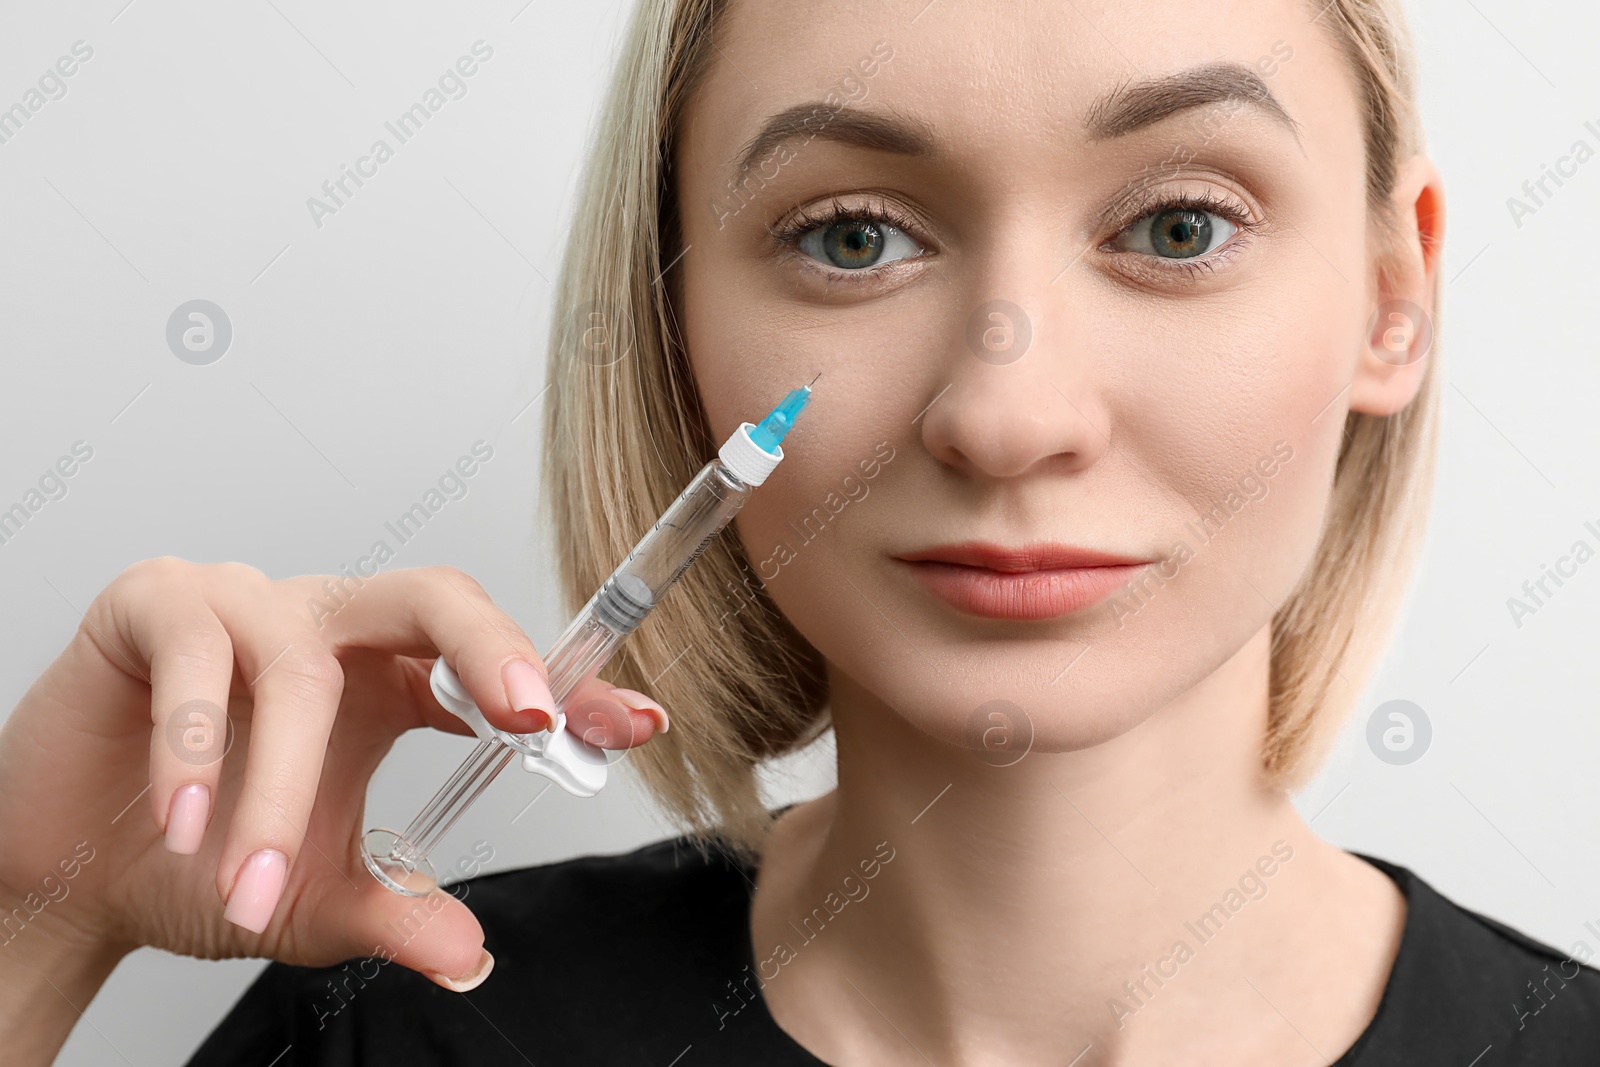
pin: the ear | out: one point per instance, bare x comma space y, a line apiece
1400, 324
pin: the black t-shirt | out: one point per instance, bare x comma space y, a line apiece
663, 936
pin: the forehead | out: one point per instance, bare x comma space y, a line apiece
1010, 80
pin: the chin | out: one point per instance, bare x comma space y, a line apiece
998, 695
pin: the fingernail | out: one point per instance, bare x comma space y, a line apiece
471, 981
528, 691
256, 889
531, 721
186, 818
639, 702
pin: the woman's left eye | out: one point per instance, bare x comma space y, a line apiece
856, 243
1177, 233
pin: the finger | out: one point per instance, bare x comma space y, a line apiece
442, 610
436, 935
297, 684
167, 619
421, 707
607, 716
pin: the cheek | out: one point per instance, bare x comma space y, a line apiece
806, 531
1209, 401
733, 362
1231, 421
747, 351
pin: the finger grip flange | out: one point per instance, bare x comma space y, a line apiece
572, 763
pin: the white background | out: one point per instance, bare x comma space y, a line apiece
370, 353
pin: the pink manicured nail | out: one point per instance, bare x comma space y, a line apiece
257, 889
639, 702
471, 981
186, 818
527, 689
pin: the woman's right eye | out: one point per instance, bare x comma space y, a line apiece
857, 243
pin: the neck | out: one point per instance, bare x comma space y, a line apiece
1008, 905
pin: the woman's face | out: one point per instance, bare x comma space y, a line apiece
1081, 274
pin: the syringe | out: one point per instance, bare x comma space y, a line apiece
400, 859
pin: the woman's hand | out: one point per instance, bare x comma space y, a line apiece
123, 824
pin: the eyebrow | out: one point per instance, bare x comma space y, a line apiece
841, 124
1139, 104
1124, 110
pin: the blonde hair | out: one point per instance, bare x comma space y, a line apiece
625, 431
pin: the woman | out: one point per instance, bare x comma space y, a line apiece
1119, 454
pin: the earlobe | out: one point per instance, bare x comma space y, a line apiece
1405, 266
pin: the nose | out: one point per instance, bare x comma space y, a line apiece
1019, 399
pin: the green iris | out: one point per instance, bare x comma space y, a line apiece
852, 243
1180, 233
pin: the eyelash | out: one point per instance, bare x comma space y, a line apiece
1206, 262
787, 233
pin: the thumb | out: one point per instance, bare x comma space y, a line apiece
435, 935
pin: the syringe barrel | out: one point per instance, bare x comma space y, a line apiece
684, 531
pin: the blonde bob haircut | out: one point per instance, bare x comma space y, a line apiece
625, 431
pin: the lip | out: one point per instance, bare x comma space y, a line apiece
1031, 582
